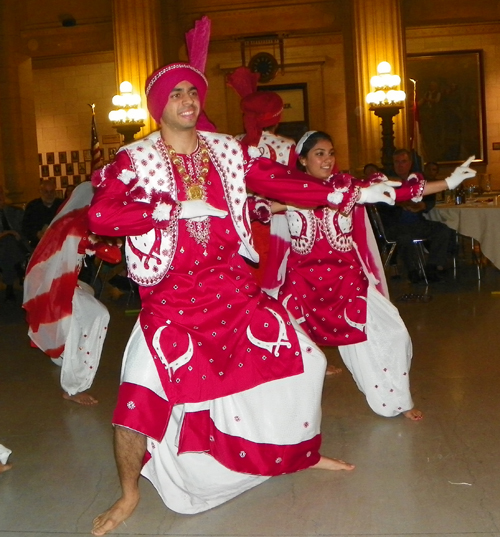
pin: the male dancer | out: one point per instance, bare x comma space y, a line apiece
220, 389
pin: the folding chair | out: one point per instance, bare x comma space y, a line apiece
388, 247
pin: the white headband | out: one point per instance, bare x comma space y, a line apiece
302, 141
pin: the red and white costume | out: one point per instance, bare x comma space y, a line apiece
335, 288
65, 320
278, 149
213, 368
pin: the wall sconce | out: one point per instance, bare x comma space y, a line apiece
386, 102
128, 118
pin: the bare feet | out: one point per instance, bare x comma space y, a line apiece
325, 463
115, 515
81, 398
332, 370
414, 414
5, 467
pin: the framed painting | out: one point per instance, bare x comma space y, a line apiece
449, 90
295, 117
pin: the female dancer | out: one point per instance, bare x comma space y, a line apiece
335, 285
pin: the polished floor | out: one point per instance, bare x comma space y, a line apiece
438, 477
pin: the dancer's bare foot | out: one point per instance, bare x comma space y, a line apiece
5, 467
332, 370
414, 414
325, 463
81, 398
115, 515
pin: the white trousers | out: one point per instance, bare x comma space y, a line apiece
87, 331
381, 364
281, 412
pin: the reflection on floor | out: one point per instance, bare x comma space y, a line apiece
437, 477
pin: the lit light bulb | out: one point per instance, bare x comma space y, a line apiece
383, 68
125, 87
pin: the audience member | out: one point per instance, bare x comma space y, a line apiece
405, 222
431, 171
12, 248
370, 169
40, 212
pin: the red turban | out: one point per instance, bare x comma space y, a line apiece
160, 84
260, 109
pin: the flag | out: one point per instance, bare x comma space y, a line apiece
95, 149
416, 139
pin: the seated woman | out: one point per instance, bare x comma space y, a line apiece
335, 287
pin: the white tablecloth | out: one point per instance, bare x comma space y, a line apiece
479, 221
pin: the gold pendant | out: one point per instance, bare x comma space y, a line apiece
195, 192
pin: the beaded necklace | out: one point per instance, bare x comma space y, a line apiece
193, 185
194, 182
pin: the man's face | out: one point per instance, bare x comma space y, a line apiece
183, 107
402, 165
48, 193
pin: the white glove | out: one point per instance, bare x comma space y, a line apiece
461, 173
199, 210
379, 192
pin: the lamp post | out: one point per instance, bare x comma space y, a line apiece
386, 102
127, 118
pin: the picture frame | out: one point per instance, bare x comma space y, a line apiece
40, 159
82, 168
451, 105
75, 156
63, 157
50, 158
295, 116
57, 170
45, 170
77, 179
69, 168
112, 153
60, 194
87, 155
64, 181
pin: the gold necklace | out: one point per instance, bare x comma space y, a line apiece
194, 186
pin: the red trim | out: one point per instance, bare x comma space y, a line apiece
141, 410
199, 433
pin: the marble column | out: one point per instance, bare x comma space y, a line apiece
19, 171
138, 46
377, 35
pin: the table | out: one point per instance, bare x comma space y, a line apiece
477, 219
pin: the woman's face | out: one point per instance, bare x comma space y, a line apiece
320, 160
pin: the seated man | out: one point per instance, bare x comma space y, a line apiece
405, 222
40, 212
12, 249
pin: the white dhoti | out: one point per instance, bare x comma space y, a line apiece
381, 364
86, 335
281, 414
